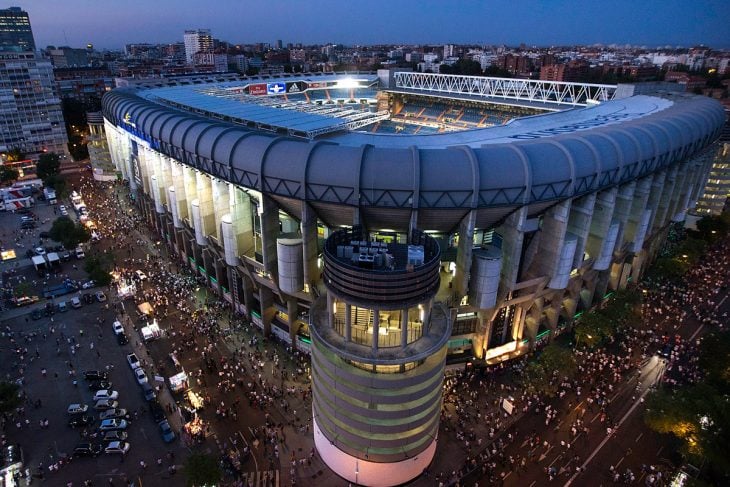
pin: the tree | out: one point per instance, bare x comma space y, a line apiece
202, 470
8, 174
592, 328
9, 397
543, 374
49, 164
98, 267
698, 415
67, 232
58, 183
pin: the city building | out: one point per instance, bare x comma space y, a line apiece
102, 167
86, 85
390, 224
197, 41
15, 31
31, 119
66, 57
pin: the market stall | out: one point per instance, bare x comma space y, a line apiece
151, 332
179, 382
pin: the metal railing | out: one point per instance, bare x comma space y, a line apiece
533, 91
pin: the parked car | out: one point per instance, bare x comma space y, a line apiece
77, 408
62, 307
100, 296
158, 414
106, 394
140, 376
104, 404
40, 251
122, 339
133, 361
87, 450
113, 425
98, 385
148, 392
115, 436
167, 434
113, 414
95, 375
75, 303
88, 285
80, 420
65, 256
117, 327
140, 275
117, 447
36, 314
80, 253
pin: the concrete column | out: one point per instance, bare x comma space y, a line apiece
292, 310
247, 289
242, 221
637, 212
655, 195
666, 198
601, 221
404, 327
164, 177
579, 224
622, 210
309, 245
205, 201
269, 233
552, 240
348, 322
144, 167
463, 255
376, 329
679, 204
266, 299
413, 222
221, 206
513, 234
155, 194
190, 190
481, 343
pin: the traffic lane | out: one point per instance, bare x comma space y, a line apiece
631, 446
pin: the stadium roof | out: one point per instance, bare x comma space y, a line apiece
531, 161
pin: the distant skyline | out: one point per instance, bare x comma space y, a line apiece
111, 24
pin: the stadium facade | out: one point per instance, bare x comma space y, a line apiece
387, 256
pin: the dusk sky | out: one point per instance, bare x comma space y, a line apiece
112, 23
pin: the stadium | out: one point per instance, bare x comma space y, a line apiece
395, 224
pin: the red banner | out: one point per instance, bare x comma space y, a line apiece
259, 89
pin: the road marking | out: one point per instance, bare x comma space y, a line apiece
556, 459
608, 437
143, 433
696, 332
542, 457
619, 462
595, 417
508, 474
659, 450
639, 437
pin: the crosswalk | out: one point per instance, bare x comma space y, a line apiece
265, 478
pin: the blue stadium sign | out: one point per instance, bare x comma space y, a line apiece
275, 88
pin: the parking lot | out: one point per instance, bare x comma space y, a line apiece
50, 354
